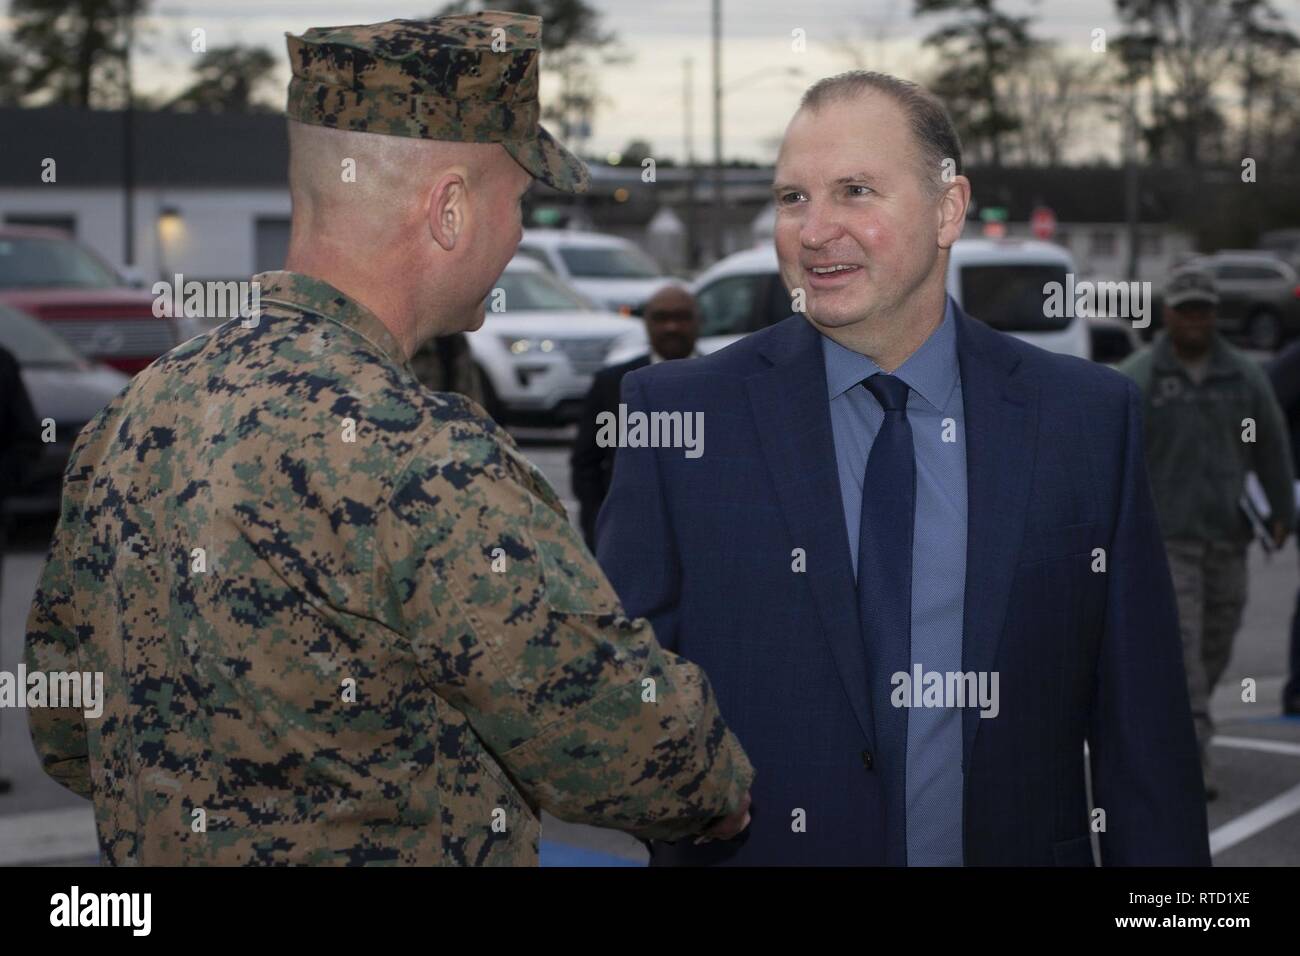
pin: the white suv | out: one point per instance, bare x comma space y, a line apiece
610, 271
537, 354
998, 281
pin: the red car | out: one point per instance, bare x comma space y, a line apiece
59, 281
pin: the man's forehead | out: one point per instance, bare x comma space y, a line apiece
856, 139
670, 296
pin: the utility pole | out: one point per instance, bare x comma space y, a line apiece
1131, 180
718, 205
692, 214
128, 151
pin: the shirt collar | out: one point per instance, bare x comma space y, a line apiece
931, 371
656, 358
318, 296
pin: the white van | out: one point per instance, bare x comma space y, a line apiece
999, 281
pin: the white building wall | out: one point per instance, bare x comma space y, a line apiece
213, 235
98, 213
1100, 249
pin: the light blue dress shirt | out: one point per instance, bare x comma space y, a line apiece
935, 412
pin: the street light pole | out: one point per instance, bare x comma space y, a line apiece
717, 130
692, 214
128, 150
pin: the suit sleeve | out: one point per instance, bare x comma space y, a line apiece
1145, 768
514, 625
58, 733
634, 537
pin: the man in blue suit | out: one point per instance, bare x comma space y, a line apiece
917, 558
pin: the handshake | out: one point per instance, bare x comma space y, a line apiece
729, 826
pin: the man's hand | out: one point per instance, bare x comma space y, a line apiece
1280, 532
730, 826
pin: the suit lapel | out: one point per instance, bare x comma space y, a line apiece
792, 418
1001, 423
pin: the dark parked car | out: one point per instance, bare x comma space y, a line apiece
1284, 244
1259, 297
59, 281
64, 387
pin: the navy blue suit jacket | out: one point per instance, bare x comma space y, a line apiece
704, 548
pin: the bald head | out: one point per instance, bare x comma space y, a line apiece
417, 230
368, 184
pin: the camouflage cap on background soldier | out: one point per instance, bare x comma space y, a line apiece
470, 78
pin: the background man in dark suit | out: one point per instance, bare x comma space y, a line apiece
672, 323
893, 493
20, 445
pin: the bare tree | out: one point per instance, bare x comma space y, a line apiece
11, 81
981, 47
1267, 46
1049, 95
75, 53
226, 80
1192, 47
868, 49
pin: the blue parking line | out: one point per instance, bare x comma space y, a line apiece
561, 854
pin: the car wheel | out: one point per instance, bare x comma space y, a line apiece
1264, 331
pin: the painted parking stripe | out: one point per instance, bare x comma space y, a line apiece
1261, 818
563, 854
1252, 743
48, 836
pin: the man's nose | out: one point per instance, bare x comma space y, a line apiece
820, 226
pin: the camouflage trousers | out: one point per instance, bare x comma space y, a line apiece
1210, 585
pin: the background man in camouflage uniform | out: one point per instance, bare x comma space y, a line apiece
1200, 392
340, 618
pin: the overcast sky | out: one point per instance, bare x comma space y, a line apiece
644, 98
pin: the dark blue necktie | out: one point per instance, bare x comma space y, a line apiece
885, 594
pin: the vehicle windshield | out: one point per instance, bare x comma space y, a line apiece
609, 262
521, 291
1011, 298
31, 343
27, 262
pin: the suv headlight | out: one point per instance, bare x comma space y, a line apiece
517, 345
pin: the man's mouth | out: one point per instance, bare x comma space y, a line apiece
832, 274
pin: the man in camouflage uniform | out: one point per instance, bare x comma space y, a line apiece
340, 618
1210, 418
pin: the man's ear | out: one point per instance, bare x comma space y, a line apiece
953, 204
448, 209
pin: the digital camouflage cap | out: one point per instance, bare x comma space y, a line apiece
471, 78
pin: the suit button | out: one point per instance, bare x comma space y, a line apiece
866, 759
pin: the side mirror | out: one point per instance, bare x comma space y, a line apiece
133, 277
